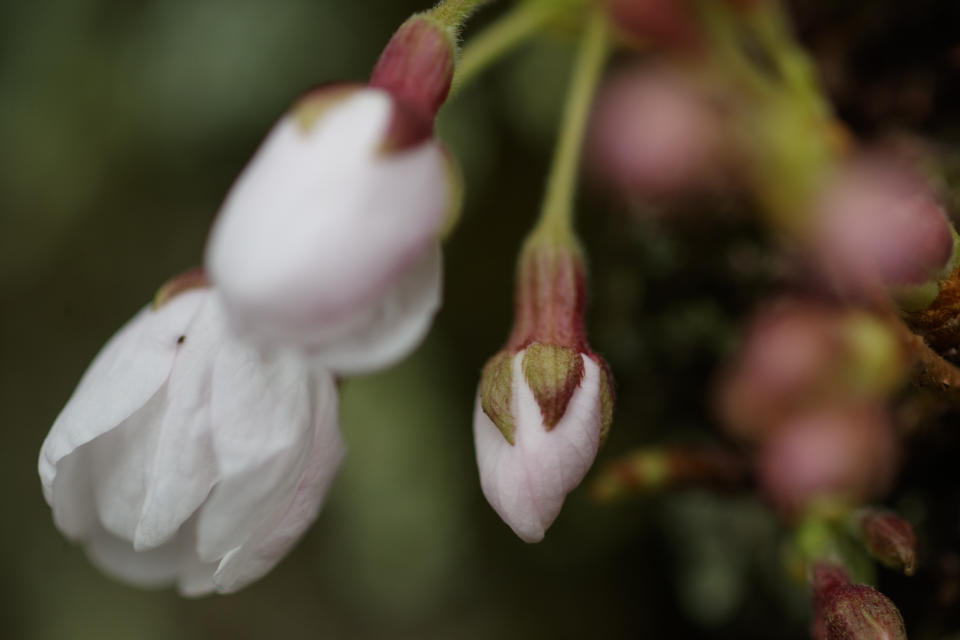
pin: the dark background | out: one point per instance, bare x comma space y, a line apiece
122, 125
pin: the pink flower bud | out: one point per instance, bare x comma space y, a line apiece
652, 134
668, 22
545, 401
847, 611
797, 354
846, 454
417, 65
889, 538
878, 226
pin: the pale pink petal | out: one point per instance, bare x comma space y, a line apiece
526, 483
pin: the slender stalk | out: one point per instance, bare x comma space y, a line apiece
516, 26
454, 12
556, 217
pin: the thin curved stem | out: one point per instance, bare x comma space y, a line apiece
515, 27
556, 217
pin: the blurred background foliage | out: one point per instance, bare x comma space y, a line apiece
123, 123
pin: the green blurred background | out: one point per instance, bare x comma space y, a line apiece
122, 125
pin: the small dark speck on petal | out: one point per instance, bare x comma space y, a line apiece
181, 339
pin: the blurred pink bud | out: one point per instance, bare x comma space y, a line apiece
889, 538
798, 354
846, 454
878, 225
787, 351
652, 134
668, 22
847, 611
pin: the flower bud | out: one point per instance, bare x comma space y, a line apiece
668, 22
847, 611
329, 242
652, 134
878, 227
417, 65
545, 401
889, 538
798, 354
846, 454
651, 470
186, 456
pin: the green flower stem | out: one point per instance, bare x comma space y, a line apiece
556, 218
453, 13
516, 26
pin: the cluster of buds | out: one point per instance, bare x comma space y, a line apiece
545, 401
808, 387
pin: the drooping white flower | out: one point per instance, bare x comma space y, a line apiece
188, 456
330, 237
527, 480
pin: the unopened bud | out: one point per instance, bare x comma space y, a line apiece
799, 354
654, 134
889, 538
878, 227
846, 454
651, 470
847, 611
417, 64
545, 401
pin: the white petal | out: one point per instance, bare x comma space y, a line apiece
126, 373
321, 224
116, 557
262, 414
526, 483
395, 327
117, 462
274, 538
74, 510
182, 468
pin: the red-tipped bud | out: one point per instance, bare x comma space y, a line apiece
878, 227
843, 454
847, 611
889, 538
799, 354
654, 134
671, 23
417, 64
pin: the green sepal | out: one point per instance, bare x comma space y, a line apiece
553, 374
496, 393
